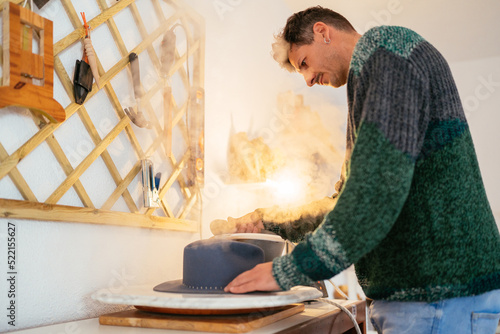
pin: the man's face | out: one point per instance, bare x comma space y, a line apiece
319, 63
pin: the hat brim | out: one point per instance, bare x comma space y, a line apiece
178, 287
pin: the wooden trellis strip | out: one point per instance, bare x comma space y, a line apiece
11, 162
27, 210
66, 83
158, 10
113, 29
106, 77
65, 80
61, 72
151, 92
166, 209
117, 193
73, 18
53, 212
184, 189
86, 162
130, 176
128, 130
25, 149
94, 23
154, 58
152, 116
108, 161
18, 179
188, 206
178, 66
179, 112
56, 149
177, 119
123, 50
68, 169
144, 34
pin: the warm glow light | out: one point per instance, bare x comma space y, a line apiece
286, 187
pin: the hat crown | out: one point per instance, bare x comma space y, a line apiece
212, 264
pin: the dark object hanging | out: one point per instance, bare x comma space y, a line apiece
40, 3
82, 81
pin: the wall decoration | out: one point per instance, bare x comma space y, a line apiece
28, 77
93, 168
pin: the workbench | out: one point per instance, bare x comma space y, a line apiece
317, 318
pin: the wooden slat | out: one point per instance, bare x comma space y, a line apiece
117, 193
11, 162
86, 162
128, 130
121, 189
113, 29
61, 72
154, 57
108, 161
73, 18
94, 23
188, 206
39, 211
52, 212
166, 209
144, 34
63, 76
130, 176
68, 169
18, 179
62, 160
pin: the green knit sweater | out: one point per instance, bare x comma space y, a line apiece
412, 214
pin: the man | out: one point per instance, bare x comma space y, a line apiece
412, 212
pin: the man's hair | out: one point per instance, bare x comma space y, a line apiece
299, 31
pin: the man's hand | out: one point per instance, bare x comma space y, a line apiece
249, 223
260, 278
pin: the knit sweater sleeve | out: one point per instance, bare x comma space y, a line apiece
388, 108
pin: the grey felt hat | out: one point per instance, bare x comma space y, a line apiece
209, 265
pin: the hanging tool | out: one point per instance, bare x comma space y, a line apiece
89, 51
137, 117
167, 58
151, 184
39, 3
82, 82
136, 76
196, 126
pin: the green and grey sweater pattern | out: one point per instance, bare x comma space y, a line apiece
412, 214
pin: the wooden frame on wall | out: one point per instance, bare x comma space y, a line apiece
188, 67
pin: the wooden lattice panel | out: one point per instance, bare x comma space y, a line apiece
92, 161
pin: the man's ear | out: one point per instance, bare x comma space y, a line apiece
322, 29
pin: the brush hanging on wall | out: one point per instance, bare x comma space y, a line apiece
28, 77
